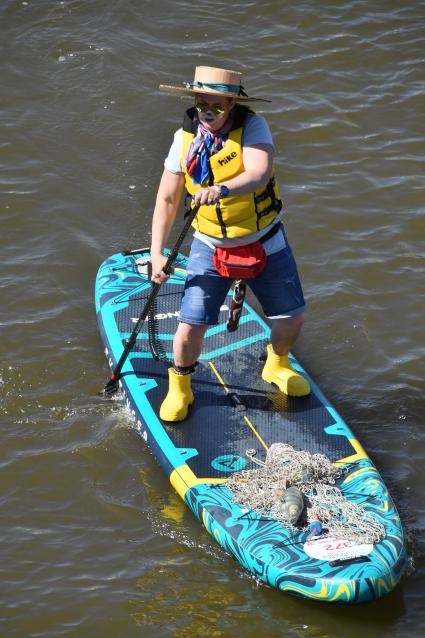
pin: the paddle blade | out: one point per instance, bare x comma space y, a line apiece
111, 387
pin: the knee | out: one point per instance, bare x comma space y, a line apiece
298, 320
188, 333
288, 327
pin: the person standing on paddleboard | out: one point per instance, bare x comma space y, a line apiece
223, 157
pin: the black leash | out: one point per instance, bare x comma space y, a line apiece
155, 343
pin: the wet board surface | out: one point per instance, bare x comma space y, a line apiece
236, 411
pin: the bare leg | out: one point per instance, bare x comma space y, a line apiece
188, 342
187, 346
285, 333
278, 369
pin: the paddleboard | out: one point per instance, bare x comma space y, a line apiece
236, 412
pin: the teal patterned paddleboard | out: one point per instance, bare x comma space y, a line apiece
235, 411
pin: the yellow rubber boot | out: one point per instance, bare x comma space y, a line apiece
180, 396
279, 371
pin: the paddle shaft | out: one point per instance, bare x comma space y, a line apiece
129, 343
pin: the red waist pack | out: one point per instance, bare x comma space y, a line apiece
240, 262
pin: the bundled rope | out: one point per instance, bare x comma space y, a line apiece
298, 489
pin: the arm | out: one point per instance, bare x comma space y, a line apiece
258, 161
169, 194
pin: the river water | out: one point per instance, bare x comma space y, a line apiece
94, 540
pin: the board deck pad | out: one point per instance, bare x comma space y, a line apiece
236, 412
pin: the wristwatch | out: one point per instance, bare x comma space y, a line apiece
222, 190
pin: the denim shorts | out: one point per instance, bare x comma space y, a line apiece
277, 287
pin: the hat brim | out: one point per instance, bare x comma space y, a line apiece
179, 90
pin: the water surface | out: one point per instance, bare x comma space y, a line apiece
94, 540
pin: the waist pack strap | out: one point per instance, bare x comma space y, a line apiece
273, 230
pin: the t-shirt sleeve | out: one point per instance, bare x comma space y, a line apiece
172, 161
257, 131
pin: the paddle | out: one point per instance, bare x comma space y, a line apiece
112, 386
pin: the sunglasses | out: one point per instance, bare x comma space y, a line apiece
202, 107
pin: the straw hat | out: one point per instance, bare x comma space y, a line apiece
213, 81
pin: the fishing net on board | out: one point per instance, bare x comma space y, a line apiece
298, 488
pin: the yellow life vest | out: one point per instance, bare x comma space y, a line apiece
231, 216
